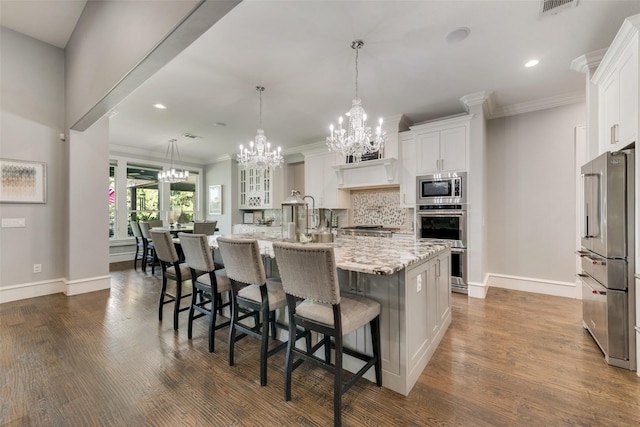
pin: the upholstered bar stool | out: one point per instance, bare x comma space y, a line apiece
172, 269
309, 272
149, 250
206, 296
140, 246
253, 293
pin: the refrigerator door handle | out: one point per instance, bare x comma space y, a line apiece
588, 232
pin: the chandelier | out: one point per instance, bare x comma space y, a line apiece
356, 140
259, 155
172, 175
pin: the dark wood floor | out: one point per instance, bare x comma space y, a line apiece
103, 359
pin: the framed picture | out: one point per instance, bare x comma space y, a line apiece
215, 199
22, 181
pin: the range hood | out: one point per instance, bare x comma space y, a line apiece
369, 174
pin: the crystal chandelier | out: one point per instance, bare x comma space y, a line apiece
172, 175
259, 155
356, 140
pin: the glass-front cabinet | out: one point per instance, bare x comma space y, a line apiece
260, 189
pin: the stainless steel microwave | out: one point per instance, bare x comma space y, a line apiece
441, 189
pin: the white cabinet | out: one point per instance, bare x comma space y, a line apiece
442, 145
442, 151
407, 143
617, 80
321, 181
260, 189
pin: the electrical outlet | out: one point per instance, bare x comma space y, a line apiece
418, 283
37, 268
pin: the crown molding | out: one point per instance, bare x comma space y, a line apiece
587, 62
627, 32
495, 111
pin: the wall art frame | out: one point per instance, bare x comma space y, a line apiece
215, 199
23, 181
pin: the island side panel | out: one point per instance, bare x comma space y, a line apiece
427, 314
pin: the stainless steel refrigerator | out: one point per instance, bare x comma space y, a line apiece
607, 255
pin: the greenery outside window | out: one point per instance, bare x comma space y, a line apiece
143, 201
183, 200
113, 212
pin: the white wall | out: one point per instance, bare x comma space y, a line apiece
32, 117
531, 200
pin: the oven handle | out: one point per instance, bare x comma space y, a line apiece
458, 250
440, 213
585, 278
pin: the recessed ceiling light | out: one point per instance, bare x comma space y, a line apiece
531, 63
458, 35
219, 124
160, 106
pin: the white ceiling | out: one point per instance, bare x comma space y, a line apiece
300, 51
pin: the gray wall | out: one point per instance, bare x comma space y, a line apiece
32, 117
224, 172
531, 194
110, 39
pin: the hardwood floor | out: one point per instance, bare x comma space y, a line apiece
98, 359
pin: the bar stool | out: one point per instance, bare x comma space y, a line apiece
309, 272
207, 287
172, 269
253, 293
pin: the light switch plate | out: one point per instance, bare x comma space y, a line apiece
13, 222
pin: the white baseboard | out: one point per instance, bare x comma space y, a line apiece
530, 284
90, 284
31, 290
121, 257
478, 290
54, 286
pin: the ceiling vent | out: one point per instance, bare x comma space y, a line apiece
551, 7
191, 136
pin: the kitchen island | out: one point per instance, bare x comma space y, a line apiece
410, 278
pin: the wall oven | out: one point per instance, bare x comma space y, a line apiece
442, 189
447, 222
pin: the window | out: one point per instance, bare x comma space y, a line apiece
136, 195
143, 201
182, 197
113, 213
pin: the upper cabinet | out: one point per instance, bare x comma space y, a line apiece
617, 80
442, 145
261, 189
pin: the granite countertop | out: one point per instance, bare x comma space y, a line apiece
364, 254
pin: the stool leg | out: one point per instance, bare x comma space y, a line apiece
375, 339
232, 326
162, 294
176, 307
264, 343
337, 385
212, 323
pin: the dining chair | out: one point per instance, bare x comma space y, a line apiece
149, 250
172, 269
309, 273
206, 227
208, 288
252, 294
140, 246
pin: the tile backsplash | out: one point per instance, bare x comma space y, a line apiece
379, 207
